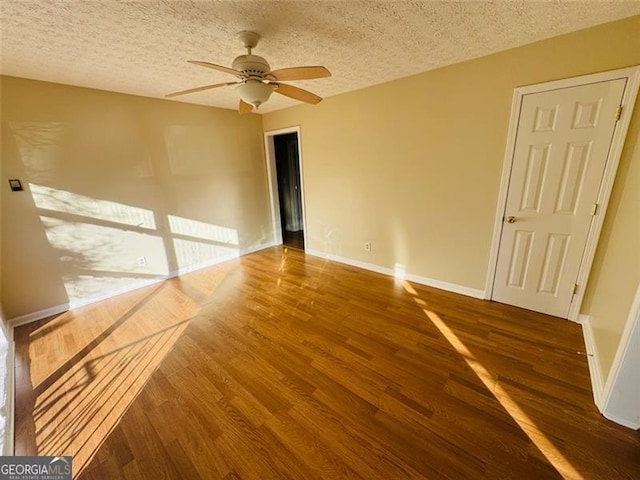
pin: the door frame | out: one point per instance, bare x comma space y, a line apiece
632, 74
270, 157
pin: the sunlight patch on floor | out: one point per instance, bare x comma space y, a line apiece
79, 402
546, 447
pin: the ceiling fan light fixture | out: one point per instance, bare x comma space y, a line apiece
254, 92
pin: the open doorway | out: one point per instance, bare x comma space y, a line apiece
285, 179
290, 201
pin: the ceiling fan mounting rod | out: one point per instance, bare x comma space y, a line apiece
248, 39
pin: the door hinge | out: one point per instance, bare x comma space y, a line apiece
575, 289
594, 209
618, 113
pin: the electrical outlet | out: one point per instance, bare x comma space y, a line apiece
142, 261
367, 246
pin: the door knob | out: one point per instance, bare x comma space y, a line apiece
511, 219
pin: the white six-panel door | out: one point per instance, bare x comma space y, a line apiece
561, 148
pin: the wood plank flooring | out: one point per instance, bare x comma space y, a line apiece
284, 366
293, 239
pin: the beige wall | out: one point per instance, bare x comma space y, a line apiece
616, 271
3, 321
414, 165
110, 178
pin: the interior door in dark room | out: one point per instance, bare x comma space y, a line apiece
289, 194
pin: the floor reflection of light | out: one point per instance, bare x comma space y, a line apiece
546, 447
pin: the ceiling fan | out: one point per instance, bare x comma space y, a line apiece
256, 81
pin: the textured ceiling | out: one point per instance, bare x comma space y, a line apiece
141, 47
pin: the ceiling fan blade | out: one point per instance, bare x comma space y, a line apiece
216, 67
199, 89
299, 73
297, 93
244, 107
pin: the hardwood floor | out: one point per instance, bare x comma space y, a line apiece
293, 239
284, 366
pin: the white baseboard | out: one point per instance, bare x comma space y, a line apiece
221, 259
257, 248
622, 421
114, 293
597, 382
348, 261
39, 315
58, 309
450, 287
430, 282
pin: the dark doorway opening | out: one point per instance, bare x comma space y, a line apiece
289, 194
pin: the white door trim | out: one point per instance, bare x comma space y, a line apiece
632, 74
273, 182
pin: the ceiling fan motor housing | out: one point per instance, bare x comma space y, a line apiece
251, 65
